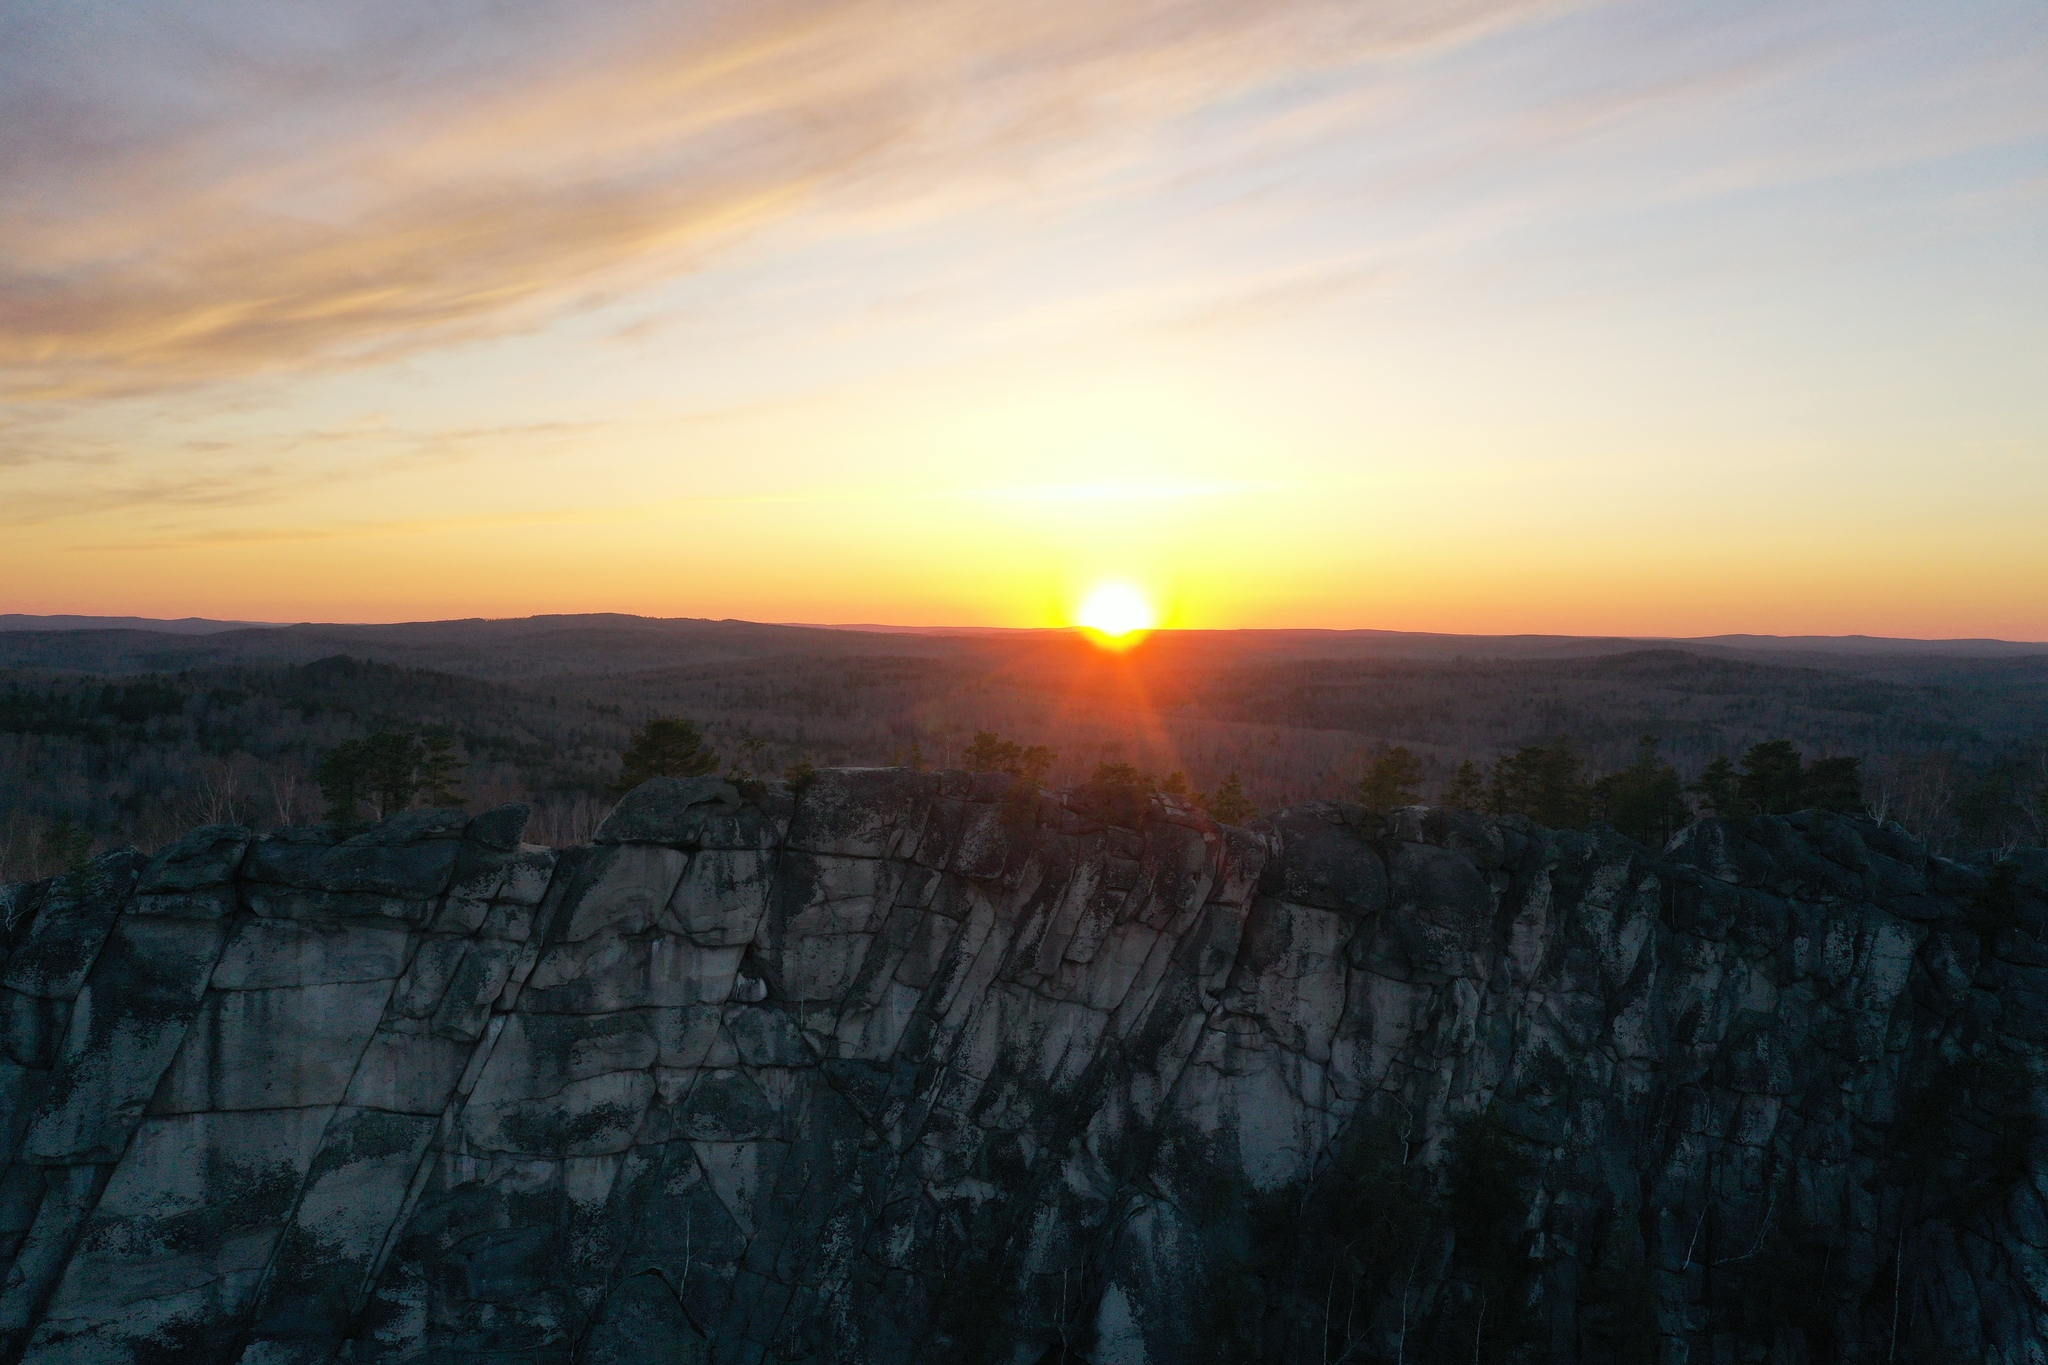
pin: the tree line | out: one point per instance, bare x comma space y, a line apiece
1647, 800
671, 746
1956, 755
1121, 790
388, 772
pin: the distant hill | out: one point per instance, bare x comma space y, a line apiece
133, 735
184, 625
524, 647
1870, 645
604, 643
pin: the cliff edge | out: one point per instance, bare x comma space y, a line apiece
913, 1067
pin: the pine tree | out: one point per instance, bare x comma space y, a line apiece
1394, 780
1646, 800
1034, 763
986, 753
344, 781
1467, 789
1834, 784
989, 754
1771, 777
65, 849
1229, 805
1543, 784
387, 772
391, 770
742, 771
438, 771
666, 746
1719, 792
1118, 792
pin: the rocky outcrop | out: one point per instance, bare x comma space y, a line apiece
915, 1067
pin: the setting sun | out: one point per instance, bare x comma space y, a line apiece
1116, 611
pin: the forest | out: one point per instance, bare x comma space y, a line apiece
104, 743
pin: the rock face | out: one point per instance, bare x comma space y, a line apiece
912, 1067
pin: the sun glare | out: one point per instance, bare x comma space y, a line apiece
1117, 612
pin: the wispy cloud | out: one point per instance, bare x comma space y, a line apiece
210, 191
180, 492
248, 487
84, 476
1221, 300
356, 530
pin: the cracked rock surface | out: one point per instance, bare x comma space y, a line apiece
911, 1067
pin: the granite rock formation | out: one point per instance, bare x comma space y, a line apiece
919, 1067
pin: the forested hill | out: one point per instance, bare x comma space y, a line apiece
535, 646
135, 758
539, 711
527, 647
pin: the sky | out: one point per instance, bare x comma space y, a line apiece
1643, 318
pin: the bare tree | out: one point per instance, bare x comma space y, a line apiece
288, 793
571, 818
1919, 791
217, 791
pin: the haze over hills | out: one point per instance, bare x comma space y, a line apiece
131, 733
184, 625
603, 642
1870, 645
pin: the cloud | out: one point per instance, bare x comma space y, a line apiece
355, 530
207, 191
82, 475
30, 440
214, 491
211, 489
1208, 303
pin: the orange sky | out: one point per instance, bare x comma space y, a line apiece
1495, 316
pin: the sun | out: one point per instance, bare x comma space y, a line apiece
1117, 612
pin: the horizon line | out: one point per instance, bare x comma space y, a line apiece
89, 622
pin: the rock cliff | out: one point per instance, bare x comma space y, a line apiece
915, 1067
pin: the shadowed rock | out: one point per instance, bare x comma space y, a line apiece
902, 1067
